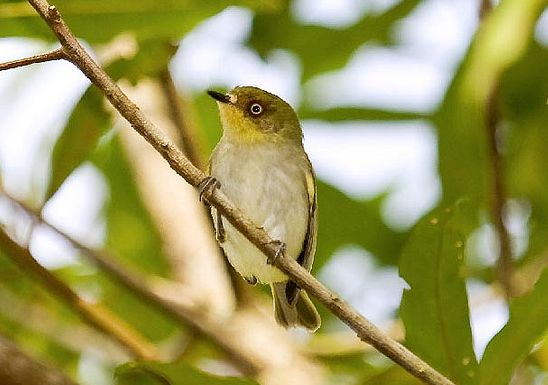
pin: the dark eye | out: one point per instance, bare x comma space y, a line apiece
256, 108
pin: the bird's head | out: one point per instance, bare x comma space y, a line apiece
252, 115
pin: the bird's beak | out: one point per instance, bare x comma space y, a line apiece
223, 98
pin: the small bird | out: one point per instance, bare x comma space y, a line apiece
261, 166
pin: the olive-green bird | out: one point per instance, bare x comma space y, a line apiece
261, 165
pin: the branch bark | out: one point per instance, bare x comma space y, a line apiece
363, 327
17, 368
188, 138
504, 262
57, 54
94, 314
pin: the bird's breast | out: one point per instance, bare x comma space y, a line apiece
268, 184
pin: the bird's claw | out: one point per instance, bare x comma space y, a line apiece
220, 228
280, 251
207, 183
252, 280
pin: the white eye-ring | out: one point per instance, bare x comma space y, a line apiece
256, 109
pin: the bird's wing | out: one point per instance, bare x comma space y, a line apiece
306, 257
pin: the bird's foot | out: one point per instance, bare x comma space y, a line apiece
280, 251
208, 183
220, 228
252, 280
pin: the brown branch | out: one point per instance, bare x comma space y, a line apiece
57, 54
504, 262
485, 7
17, 368
94, 314
363, 327
188, 138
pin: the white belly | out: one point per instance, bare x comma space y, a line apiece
274, 199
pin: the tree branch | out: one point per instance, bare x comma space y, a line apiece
57, 54
17, 368
188, 141
504, 262
94, 314
363, 327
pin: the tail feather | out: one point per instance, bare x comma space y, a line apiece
301, 312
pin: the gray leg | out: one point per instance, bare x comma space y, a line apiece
251, 280
220, 229
207, 183
280, 250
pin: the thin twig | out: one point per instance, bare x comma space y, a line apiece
188, 141
94, 314
504, 262
485, 7
57, 54
363, 327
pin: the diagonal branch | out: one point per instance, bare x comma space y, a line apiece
188, 138
94, 314
504, 262
363, 327
16, 367
57, 54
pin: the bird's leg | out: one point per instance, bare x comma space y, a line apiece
220, 229
207, 183
251, 280
280, 250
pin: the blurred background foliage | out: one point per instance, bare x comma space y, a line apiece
448, 258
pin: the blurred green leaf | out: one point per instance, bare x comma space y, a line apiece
392, 375
434, 309
151, 59
320, 48
132, 237
357, 113
154, 373
526, 326
500, 42
88, 121
207, 118
523, 108
98, 21
346, 221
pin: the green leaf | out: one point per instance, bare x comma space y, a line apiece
87, 123
435, 308
523, 94
357, 113
98, 21
154, 373
132, 237
130, 232
346, 221
151, 59
320, 48
500, 42
526, 326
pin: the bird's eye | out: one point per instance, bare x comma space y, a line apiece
256, 109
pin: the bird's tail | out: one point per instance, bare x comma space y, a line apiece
299, 312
